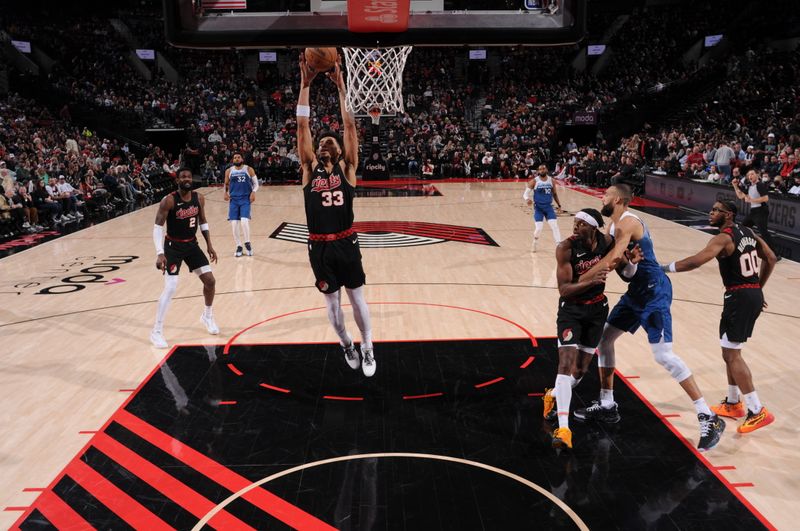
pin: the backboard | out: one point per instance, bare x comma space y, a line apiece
301, 23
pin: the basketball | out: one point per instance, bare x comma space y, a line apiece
321, 59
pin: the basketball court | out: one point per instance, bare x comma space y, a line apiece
265, 426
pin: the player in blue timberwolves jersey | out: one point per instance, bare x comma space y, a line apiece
241, 185
329, 183
647, 304
544, 193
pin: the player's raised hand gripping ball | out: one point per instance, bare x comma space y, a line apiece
320, 59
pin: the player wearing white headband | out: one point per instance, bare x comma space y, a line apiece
582, 312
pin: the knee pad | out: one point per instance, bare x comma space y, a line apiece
662, 352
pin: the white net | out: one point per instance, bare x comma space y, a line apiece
375, 79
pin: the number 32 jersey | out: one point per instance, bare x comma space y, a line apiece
742, 266
328, 201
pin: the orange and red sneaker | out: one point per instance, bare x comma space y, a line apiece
756, 420
734, 410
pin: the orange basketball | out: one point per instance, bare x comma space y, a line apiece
321, 59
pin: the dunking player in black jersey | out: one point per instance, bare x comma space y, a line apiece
582, 312
329, 182
184, 211
745, 264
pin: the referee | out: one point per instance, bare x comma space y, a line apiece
757, 196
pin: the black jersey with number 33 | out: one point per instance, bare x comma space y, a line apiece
328, 201
183, 218
742, 266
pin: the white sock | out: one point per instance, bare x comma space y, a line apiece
607, 397
170, 285
554, 227
361, 315
752, 402
208, 312
563, 394
235, 227
701, 407
733, 394
333, 303
245, 222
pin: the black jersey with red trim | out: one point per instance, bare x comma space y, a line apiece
582, 260
183, 218
328, 201
742, 266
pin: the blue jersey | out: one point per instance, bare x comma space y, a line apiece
240, 182
649, 276
543, 192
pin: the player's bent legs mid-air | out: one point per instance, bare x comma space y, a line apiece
183, 211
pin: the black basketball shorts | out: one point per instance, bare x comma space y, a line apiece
336, 264
179, 252
581, 325
740, 309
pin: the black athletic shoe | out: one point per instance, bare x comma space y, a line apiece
238, 252
711, 428
248, 248
598, 413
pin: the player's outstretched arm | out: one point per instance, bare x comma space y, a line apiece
350, 133
305, 146
212, 254
715, 246
164, 207
566, 287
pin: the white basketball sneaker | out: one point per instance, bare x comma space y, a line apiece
351, 356
157, 339
368, 364
210, 324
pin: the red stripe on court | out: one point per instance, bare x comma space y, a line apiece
274, 388
631, 377
261, 498
236, 371
414, 397
86, 432
490, 382
346, 398
527, 362
58, 513
166, 484
17, 508
127, 390
697, 454
737, 485
33, 489
671, 415
227, 402
136, 515
725, 467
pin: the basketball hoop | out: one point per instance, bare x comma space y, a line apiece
375, 80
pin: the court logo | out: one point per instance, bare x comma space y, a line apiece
377, 234
73, 275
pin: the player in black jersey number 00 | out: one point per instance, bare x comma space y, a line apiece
329, 183
183, 211
745, 263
